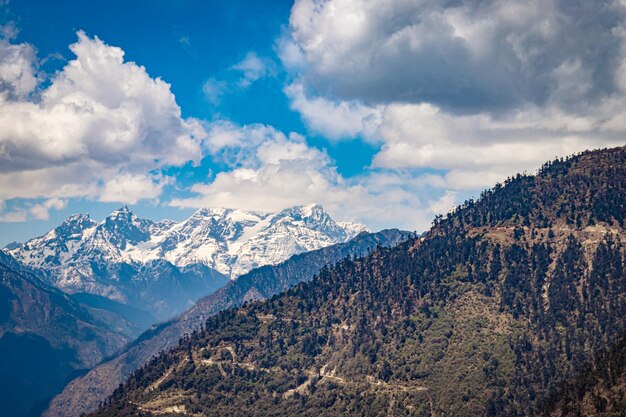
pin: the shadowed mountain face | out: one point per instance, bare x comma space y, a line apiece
502, 302
164, 267
84, 393
47, 338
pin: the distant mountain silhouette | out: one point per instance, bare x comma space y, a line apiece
47, 338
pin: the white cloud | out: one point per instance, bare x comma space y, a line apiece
249, 70
457, 95
213, 90
380, 200
130, 188
334, 120
41, 211
9, 30
101, 121
271, 171
18, 72
424, 136
14, 216
254, 68
444, 204
480, 90
477, 149
471, 56
289, 53
237, 146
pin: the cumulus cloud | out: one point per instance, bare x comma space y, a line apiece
476, 150
100, 122
270, 171
238, 146
39, 211
467, 56
455, 95
13, 216
444, 204
334, 120
131, 188
424, 136
18, 72
480, 90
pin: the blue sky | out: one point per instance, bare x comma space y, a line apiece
186, 43
385, 115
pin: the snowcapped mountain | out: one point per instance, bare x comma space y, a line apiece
234, 242
126, 258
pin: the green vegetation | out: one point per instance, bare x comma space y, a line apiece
599, 389
503, 302
86, 392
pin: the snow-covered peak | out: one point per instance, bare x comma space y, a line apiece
122, 211
75, 223
226, 214
53, 247
122, 217
353, 229
314, 211
121, 229
206, 212
214, 223
78, 218
313, 215
228, 240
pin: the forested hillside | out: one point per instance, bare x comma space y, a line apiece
598, 390
504, 302
86, 392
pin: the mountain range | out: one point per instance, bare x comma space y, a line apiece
47, 337
84, 291
507, 306
164, 266
86, 392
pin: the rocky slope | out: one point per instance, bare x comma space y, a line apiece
86, 392
501, 303
46, 338
165, 266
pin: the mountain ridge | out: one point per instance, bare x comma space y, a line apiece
124, 237
47, 336
165, 266
502, 300
84, 393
